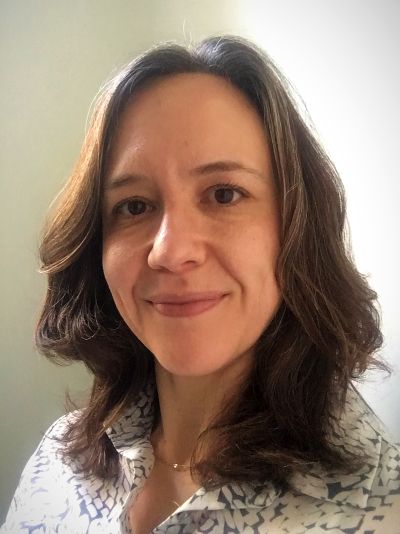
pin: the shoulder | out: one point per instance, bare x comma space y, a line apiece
367, 499
370, 434
51, 442
60, 425
382, 498
41, 491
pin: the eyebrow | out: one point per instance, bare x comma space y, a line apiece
201, 170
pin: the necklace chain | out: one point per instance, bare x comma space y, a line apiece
175, 467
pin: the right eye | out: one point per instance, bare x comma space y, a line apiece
132, 207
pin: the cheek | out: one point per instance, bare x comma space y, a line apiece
120, 264
257, 249
257, 257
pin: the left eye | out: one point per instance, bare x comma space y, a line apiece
225, 194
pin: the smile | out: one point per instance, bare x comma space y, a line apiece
186, 309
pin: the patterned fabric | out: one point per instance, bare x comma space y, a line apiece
52, 497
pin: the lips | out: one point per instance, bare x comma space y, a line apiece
173, 298
188, 304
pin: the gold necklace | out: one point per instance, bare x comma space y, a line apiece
175, 467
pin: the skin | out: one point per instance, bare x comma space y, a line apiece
187, 240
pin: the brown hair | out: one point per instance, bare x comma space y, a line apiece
324, 334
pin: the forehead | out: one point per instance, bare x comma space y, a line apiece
191, 115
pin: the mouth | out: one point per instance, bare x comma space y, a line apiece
193, 305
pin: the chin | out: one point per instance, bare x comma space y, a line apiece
198, 366
184, 369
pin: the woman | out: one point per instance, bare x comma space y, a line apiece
197, 265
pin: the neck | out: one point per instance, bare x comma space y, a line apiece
187, 406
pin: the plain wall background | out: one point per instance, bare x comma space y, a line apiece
341, 55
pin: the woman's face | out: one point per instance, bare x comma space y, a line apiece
191, 224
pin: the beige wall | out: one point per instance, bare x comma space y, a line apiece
54, 55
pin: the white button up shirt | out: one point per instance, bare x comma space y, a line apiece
53, 497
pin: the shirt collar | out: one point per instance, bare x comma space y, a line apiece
357, 429
135, 424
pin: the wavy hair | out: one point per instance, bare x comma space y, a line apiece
325, 333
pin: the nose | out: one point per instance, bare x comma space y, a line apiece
178, 244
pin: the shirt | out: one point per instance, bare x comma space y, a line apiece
53, 497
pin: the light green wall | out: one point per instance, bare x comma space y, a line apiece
54, 55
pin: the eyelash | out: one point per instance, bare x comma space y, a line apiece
227, 185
